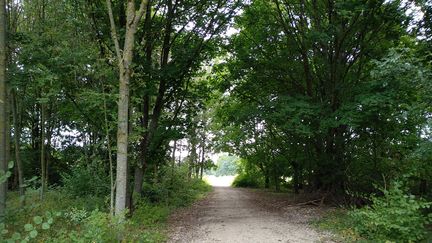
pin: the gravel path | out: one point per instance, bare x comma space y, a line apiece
245, 215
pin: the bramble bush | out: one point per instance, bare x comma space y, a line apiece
395, 216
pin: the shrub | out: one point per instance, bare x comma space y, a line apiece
84, 181
396, 216
98, 226
175, 189
29, 231
150, 215
247, 180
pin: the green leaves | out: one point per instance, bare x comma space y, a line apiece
37, 220
28, 227
16, 236
33, 234
30, 230
45, 226
397, 216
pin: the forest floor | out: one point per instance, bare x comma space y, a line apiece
247, 215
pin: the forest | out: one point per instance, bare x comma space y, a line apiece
111, 112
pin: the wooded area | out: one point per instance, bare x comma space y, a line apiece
119, 105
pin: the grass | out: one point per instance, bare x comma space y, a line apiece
340, 224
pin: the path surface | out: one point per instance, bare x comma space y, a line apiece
245, 215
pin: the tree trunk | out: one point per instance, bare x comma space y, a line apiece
48, 148
8, 132
296, 177
266, 181
173, 162
42, 151
108, 141
3, 103
17, 137
202, 157
124, 58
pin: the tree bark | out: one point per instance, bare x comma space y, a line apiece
202, 157
17, 137
108, 140
125, 58
151, 125
8, 130
3, 103
296, 177
42, 151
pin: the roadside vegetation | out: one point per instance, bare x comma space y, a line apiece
68, 215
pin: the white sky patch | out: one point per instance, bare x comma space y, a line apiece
231, 31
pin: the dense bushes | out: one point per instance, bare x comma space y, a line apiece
248, 175
81, 217
175, 188
86, 180
247, 180
395, 216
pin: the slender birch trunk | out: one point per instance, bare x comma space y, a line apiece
124, 58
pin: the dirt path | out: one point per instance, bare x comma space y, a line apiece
244, 215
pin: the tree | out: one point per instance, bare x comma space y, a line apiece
124, 59
177, 40
294, 85
3, 114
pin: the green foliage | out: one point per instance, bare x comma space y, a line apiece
176, 189
225, 166
84, 181
31, 230
69, 218
395, 216
249, 175
150, 215
247, 180
4, 175
335, 96
76, 216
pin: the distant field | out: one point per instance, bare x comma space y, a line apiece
222, 181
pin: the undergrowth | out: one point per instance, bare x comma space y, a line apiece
63, 217
394, 216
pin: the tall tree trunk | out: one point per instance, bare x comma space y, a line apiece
122, 144
266, 181
8, 130
3, 103
42, 151
48, 147
108, 140
158, 106
17, 137
174, 153
202, 157
139, 169
124, 58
